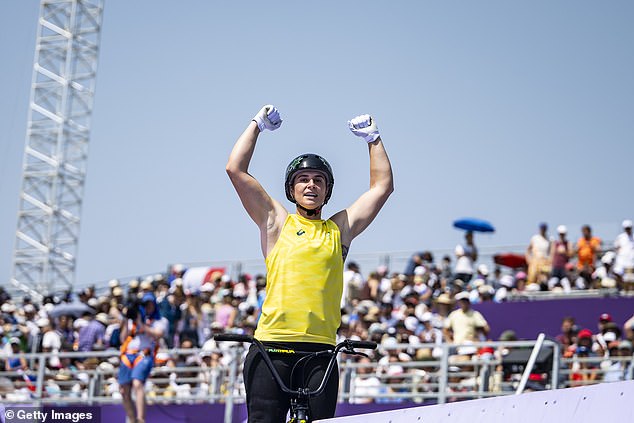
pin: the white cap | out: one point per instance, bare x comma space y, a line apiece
463, 295
608, 257
41, 322
113, 282
483, 269
609, 336
411, 323
225, 278
627, 223
420, 270
562, 229
507, 281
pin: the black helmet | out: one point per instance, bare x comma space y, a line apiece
313, 162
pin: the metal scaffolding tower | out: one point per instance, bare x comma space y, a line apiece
54, 168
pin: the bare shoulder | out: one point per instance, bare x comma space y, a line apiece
342, 221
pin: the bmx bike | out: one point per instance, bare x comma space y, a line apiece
299, 406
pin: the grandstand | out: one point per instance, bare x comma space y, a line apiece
538, 330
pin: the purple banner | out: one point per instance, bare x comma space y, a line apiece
529, 318
216, 412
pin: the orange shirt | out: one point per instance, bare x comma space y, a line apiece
587, 251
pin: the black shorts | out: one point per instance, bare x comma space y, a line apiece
266, 403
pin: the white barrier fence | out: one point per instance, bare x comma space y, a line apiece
591, 404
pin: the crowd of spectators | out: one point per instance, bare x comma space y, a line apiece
428, 303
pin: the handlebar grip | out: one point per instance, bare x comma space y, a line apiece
363, 344
233, 337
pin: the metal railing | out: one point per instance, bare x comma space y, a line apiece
445, 378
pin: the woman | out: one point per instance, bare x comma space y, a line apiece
304, 256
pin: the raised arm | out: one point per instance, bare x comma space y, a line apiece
353, 220
262, 209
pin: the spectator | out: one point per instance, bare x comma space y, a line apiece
51, 342
210, 375
429, 335
588, 247
613, 367
466, 256
482, 274
392, 355
191, 318
505, 290
176, 272
520, 282
584, 339
365, 385
422, 258
608, 332
568, 332
538, 254
625, 351
142, 328
446, 273
624, 248
561, 251
172, 312
92, 335
353, 285
67, 332
113, 329
465, 324
583, 372
629, 328
15, 360
604, 276
443, 306
395, 378
226, 313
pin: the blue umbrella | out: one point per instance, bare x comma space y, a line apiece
76, 309
473, 224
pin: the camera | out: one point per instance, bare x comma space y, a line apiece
133, 308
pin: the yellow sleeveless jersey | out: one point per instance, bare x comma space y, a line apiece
304, 283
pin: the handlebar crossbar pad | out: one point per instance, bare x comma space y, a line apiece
363, 344
233, 337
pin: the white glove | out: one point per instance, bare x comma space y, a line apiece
364, 126
268, 118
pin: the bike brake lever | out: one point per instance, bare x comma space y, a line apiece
354, 352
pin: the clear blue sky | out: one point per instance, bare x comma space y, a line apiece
515, 112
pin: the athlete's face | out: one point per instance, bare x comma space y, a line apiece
309, 188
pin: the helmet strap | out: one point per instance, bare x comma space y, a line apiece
310, 212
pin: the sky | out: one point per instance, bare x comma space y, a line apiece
513, 112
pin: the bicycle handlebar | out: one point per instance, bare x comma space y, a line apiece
348, 346
233, 337
363, 344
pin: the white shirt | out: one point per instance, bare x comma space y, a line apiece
351, 279
539, 246
464, 264
143, 341
51, 339
624, 246
366, 389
